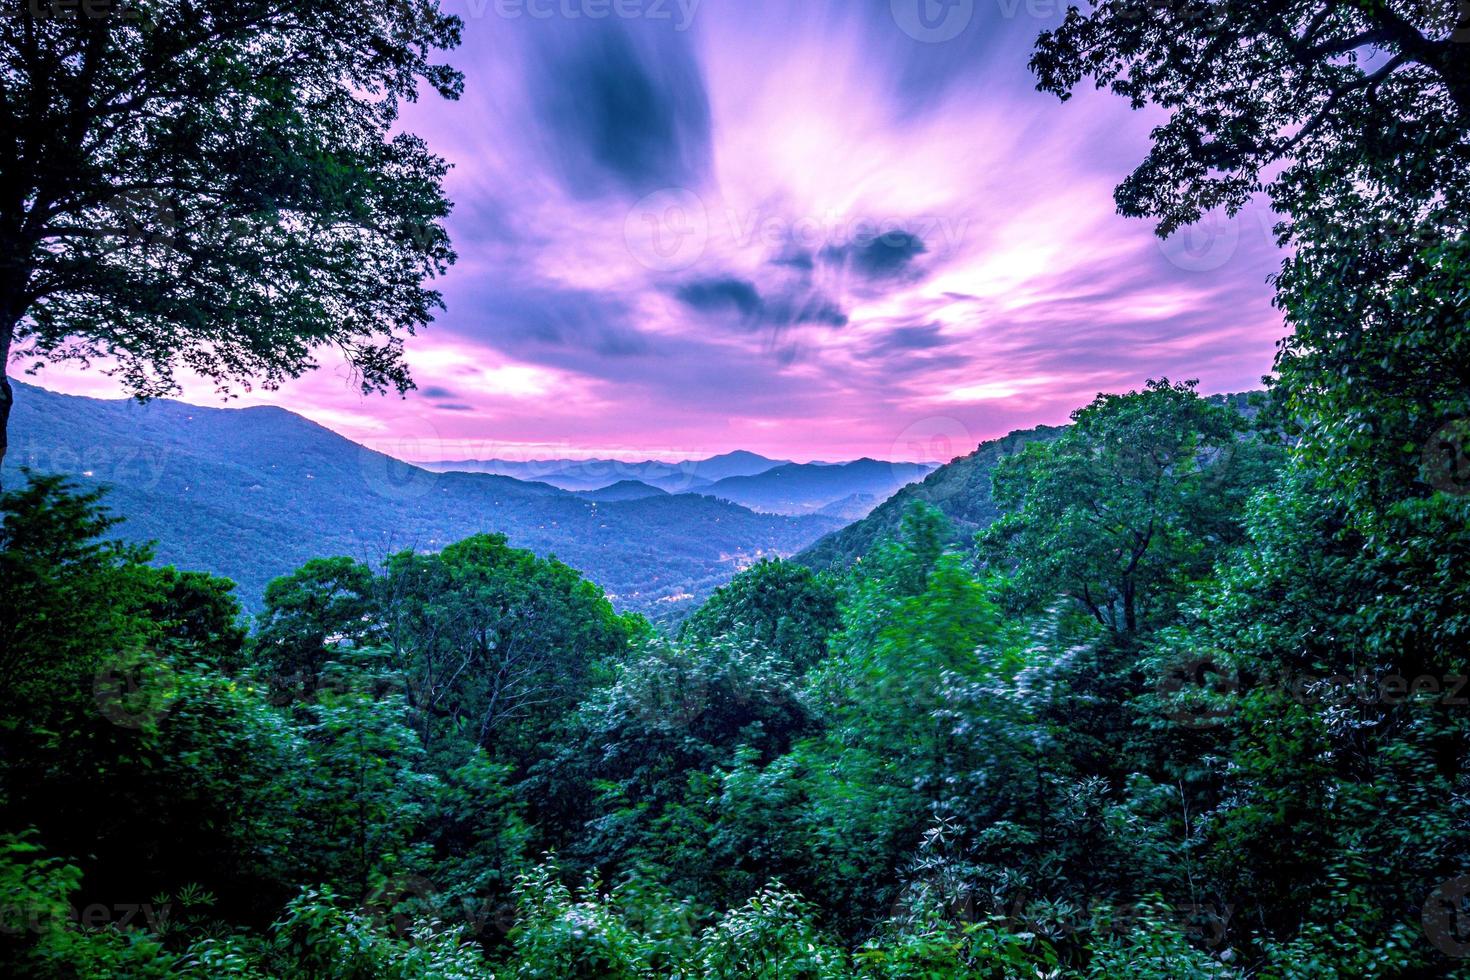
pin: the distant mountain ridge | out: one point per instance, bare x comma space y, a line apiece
597, 473
960, 489
623, 490
845, 490
253, 493
797, 488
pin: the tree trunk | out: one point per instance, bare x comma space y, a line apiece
7, 398
11, 310
7, 394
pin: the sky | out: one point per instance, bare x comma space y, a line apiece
814, 230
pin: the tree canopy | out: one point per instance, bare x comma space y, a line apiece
1133, 504
1353, 119
218, 187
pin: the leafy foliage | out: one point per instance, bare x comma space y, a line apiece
1195, 707
1129, 507
219, 187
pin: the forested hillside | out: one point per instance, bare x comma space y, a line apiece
598, 473
252, 493
960, 490
1179, 690
805, 488
1057, 750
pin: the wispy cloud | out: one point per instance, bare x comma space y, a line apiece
814, 230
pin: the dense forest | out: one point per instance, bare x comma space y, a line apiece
1174, 714
1193, 704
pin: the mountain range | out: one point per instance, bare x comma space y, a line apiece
772, 486
253, 493
959, 489
598, 473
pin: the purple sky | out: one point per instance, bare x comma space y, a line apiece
809, 229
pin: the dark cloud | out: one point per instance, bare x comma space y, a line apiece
622, 109
783, 308
908, 350
928, 336
806, 307
923, 76
436, 392
536, 321
715, 295
455, 407
800, 260
884, 256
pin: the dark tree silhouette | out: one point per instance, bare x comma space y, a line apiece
217, 187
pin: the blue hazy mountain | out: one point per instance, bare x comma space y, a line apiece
597, 473
623, 490
253, 493
842, 489
847, 490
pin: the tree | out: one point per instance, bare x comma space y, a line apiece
323, 603
495, 642
1128, 507
627, 781
218, 187
778, 605
200, 611
1355, 119
68, 598
367, 793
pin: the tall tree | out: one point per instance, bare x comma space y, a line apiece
778, 605
1130, 506
495, 642
308, 613
1354, 117
217, 187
